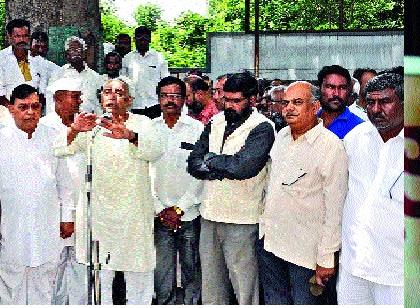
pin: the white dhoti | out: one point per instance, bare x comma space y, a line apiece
24, 285
70, 286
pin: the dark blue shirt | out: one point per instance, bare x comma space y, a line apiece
344, 123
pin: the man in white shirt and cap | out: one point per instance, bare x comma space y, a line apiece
122, 202
70, 286
177, 198
75, 49
372, 256
33, 185
145, 67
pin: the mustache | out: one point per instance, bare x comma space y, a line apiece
290, 114
336, 98
170, 104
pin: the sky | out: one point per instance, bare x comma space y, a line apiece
170, 8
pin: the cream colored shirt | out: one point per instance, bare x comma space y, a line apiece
304, 202
122, 204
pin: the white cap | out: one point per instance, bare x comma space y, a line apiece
356, 85
65, 84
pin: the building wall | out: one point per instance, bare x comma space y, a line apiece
292, 56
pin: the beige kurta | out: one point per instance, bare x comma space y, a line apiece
122, 204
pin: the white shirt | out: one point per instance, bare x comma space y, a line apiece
171, 183
91, 83
305, 197
145, 72
11, 75
33, 183
76, 165
359, 111
373, 217
5, 117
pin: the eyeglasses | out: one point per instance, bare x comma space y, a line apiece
33, 106
175, 96
295, 102
232, 100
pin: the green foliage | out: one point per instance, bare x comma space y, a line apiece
183, 42
2, 23
148, 15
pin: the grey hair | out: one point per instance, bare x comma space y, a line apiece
277, 88
387, 81
128, 84
74, 39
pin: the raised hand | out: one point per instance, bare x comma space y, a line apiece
118, 129
84, 122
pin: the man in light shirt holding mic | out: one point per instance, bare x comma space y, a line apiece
122, 203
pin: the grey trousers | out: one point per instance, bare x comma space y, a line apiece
228, 252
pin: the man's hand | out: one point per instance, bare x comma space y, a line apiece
84, 122
170, 218
323, 274
118, 129
66, 229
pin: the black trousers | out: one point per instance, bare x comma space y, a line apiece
150, 112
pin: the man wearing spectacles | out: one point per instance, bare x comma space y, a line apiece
33, 185
177, 198
145, 67
231, 157
300, 227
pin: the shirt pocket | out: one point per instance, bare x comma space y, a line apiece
393, 185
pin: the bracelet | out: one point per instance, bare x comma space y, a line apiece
135, 138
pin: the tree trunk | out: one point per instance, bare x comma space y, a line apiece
61, 19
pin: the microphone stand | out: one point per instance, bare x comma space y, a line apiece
93, 278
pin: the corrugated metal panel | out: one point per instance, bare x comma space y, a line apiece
300, 56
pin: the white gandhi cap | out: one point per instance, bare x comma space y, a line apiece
65, 84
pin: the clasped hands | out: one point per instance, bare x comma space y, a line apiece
171, 217
87, 121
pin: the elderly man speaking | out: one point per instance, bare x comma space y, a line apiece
122, 204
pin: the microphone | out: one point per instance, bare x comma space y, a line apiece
105, 115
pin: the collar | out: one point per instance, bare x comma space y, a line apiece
68, 66
147, 53
311, 135
184, 119
344, 116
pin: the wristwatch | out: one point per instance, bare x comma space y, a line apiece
178, 211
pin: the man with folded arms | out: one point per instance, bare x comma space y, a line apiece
231, 157
301, 224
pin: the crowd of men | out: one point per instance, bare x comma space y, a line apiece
286, 193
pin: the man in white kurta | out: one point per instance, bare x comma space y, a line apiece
70, 281
75, 49
372, 257
33, 184
122, 203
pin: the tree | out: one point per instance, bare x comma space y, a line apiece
2, 24
148, 15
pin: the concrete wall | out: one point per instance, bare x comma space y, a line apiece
292, 56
